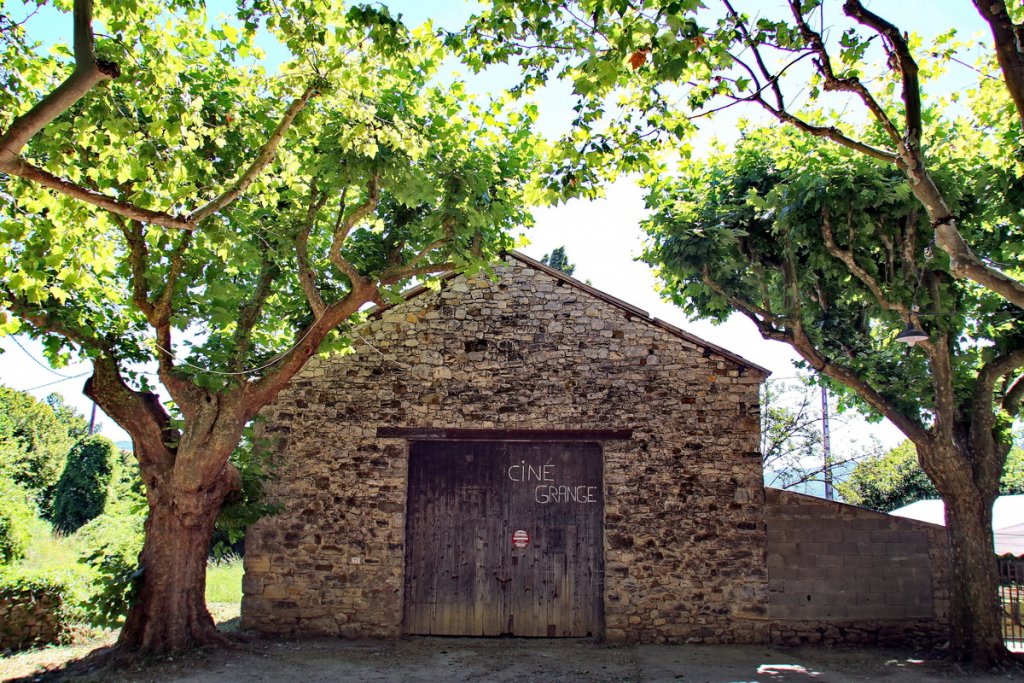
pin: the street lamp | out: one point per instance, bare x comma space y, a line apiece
911, 335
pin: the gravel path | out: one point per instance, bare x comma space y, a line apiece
429, 660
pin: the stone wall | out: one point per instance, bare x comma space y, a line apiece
30, 617
839, 573
684, 526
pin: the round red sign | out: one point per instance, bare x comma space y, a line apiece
520, 539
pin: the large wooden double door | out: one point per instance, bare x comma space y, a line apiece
504, 538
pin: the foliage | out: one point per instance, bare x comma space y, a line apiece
83, 487
559, 261
890, 481
112, 543
247, 504
643, 73
16, 517
765, 230
35, 437
895, 479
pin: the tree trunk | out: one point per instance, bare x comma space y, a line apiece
170, 612
976, 629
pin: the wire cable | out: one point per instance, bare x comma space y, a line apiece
38, 362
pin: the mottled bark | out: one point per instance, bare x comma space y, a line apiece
170, 611
976, 630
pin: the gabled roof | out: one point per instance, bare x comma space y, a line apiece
626, 307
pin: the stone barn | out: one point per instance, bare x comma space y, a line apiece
521, 454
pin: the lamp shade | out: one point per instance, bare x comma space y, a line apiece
911, 335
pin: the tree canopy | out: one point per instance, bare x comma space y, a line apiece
645, 72
894, 479
169, 200
559, 261
35, 437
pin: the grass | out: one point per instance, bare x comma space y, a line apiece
224, 580
49, 551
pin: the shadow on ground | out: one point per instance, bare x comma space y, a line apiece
429, 660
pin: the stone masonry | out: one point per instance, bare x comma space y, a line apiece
529, 348
839, 573
695, 548
31, 617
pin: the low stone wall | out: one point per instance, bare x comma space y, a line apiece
842, 574
30, 617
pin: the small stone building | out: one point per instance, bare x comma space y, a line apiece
521, 454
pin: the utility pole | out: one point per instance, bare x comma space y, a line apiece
826, 448
92, 419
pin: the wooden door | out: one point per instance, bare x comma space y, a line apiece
468, 572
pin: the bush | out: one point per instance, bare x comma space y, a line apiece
17, 514
82, 489
35, 437
246, 505
113, 544
34, 608
895, 479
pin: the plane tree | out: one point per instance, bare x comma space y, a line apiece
828, 251
169, 202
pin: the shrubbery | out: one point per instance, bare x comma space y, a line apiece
114, 542
35, 437
16, 515
82, 489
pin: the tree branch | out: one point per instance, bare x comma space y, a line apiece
183, 391
1013, 397
983, 397
761, 317
305, 271
803, 345
393, 275
140, 414
250, 312
850, 262
831, 133
263, 391
911, 86
964, 263
773, 79
85, 338
134, 234
87, 73
835, 84
1009, 42
261, 161
344, 225
21, 168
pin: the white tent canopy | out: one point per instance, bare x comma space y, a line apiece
1007, 520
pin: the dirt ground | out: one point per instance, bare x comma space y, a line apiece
429, 660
